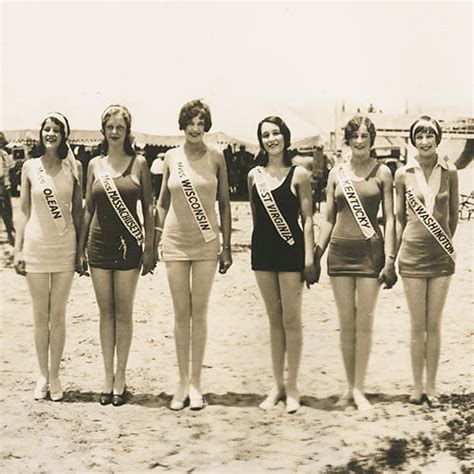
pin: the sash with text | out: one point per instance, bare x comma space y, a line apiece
354, 203
271, 207
49, 193
194, 202
431, 224
121, 209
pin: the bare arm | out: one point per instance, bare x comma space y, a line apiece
162, 205
329, 217
400, 209
387, 275
249, 187
89, 209
77, 208
303, 188
23, 217
225, 259
146, 198
453, 200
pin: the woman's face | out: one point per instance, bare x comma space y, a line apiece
360, 141
195, 129
425, 143
272, 138
51, 135
115, 130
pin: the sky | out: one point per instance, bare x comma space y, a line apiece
245, 59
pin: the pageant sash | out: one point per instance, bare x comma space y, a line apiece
429, 189
120, 208
194, 202
354, 203
271, 207
49, 193
431, 224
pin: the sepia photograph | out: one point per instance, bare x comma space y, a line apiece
236, 236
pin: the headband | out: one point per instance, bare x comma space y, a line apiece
424, 123
70, 159
61, 118
119, 107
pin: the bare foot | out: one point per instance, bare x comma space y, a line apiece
272, 399
292, 401
361, 401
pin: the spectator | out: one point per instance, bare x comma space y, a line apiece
157, 175
6, 163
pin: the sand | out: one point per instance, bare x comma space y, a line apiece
232, 434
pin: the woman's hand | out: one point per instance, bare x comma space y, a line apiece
19, 263
225, 261
317, 264
82, 265
148, 260
388, 276
310, 275
317, 269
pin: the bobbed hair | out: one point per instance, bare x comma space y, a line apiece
425, 124
121, 110
193, 109
62, 148
262, 157
354, 124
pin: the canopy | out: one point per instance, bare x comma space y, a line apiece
19, 138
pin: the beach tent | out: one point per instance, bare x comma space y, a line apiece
91, 138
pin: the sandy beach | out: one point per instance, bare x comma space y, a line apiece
231, 434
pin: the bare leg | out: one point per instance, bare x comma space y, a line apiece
367, 290
103, 281
125, 285
436, 299
416, 294
178, 280
291, 290
270, 290
344, 293
60, 288
38, 284
203, 273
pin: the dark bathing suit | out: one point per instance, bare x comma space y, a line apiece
110, 245
269, 251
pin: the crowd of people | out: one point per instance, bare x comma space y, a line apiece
56, 236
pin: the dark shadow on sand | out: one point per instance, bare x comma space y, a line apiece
76, 396
329, 403
144, 399
232, 399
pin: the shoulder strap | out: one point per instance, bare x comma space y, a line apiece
129, 167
